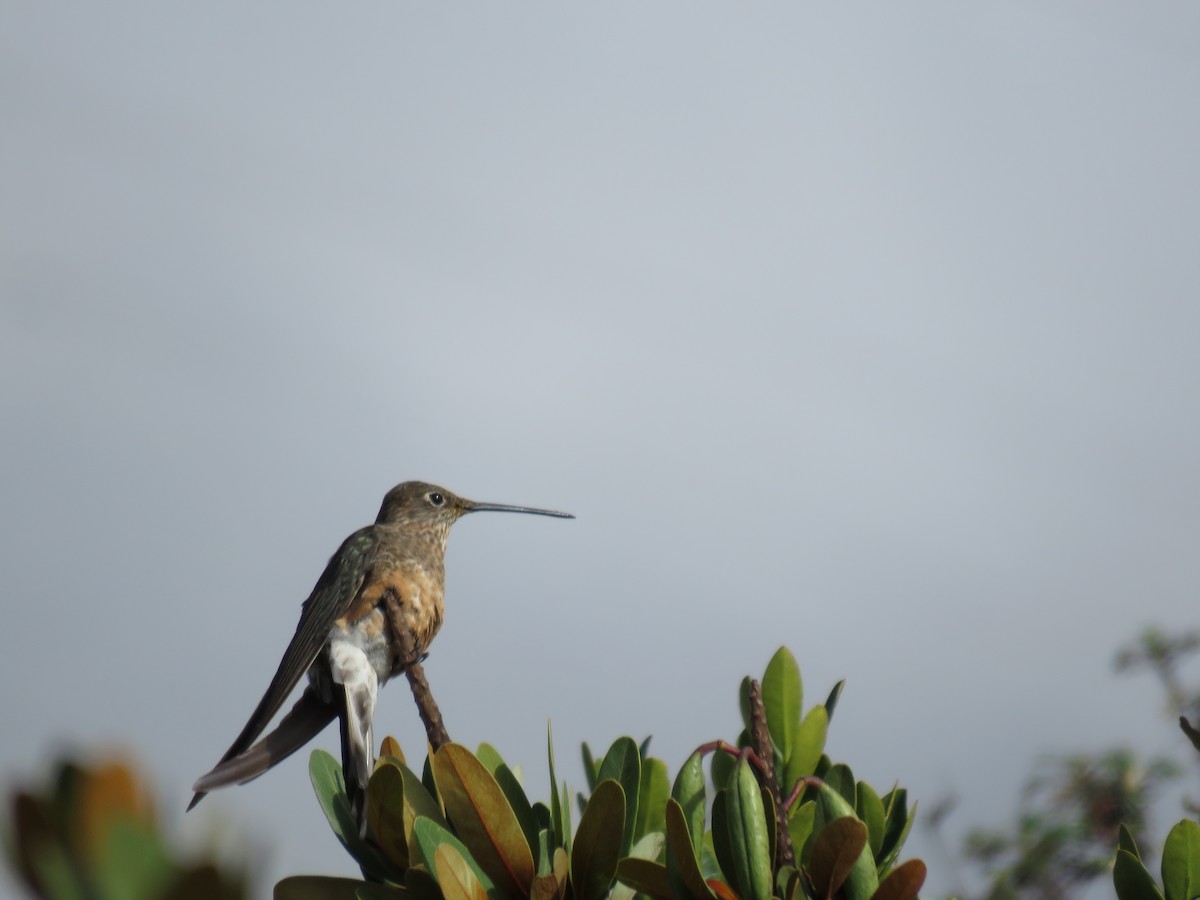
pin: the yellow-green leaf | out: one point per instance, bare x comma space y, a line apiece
455, 877
783, 697
1181, 861
428, 836
809, 744
483, 819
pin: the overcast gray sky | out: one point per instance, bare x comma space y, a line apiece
871, 331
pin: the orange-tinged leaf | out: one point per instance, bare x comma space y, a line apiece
108, 793
562, 871
545, 887
454, 876
391, 747
721, 889
483, 819
834, 853
903, 882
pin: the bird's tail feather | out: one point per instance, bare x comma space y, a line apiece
307, 718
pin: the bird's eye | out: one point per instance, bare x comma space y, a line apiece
436, 499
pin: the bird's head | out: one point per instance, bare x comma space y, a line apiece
418, 503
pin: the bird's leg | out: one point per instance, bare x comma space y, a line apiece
353, 671
408, 660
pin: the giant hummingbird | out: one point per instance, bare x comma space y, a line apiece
374, 611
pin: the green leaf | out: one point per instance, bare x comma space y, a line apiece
683, 867
709, 866
385, 813
646, 877
428, 836
783, 698
591, 769
688, 792
787, 883
800, 825
722, 845
133, 862
483, 819
597, 845
899, 822
744, 703
841, 779
648, 848
490, 757
772, 822
515, 794
652, 798
327, 781
809, 743
623, 764
745, 821
1131, 880
1181, 861
870, 810
428, 781
903, 883
832, 700
52, 867
560, 832
418, 802
1125, 841
723, 763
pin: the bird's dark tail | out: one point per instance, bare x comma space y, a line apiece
308, 717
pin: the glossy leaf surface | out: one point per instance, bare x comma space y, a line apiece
903, 883
1181, 861
783, 698
1131, 879
597, 845
483, 819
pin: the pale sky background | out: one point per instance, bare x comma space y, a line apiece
868, 330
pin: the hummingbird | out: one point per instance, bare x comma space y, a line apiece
348, 637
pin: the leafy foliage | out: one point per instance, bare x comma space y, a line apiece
91, 833
785, 821
1069, 822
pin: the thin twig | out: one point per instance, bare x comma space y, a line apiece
726, 747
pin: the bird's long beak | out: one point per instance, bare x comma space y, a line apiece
470, 506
